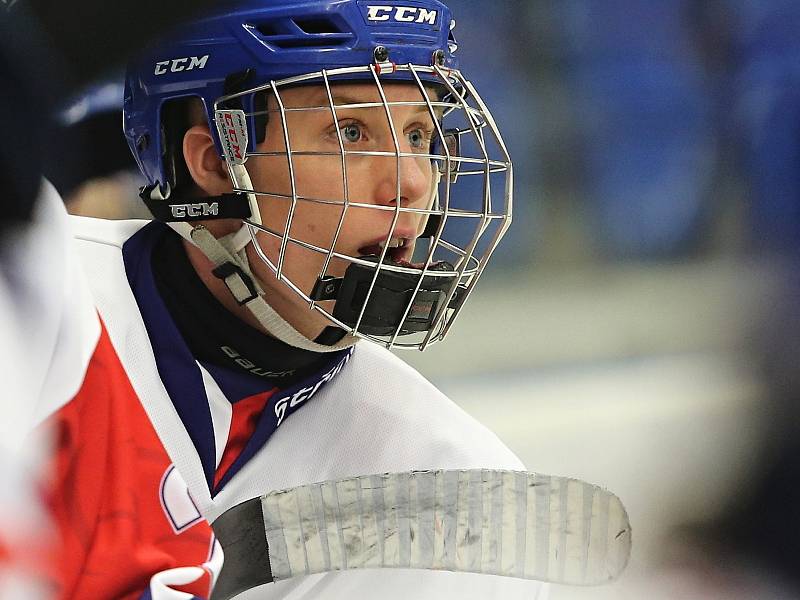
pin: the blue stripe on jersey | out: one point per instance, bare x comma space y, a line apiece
176, 365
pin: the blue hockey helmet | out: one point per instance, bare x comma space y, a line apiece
233, 62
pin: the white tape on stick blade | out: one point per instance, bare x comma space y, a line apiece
498, 522
483, 521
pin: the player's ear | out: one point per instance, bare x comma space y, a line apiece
205, 166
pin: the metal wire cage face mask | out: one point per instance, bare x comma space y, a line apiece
399, 290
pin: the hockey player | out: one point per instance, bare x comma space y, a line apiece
320, 173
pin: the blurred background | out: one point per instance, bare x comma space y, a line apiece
639, 328
639, 325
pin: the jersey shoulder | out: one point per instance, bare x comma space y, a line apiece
108, 232
399, 398
98, 245
378, 416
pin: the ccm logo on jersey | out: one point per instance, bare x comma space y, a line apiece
306, 393
176, 65
201, 209
401, 14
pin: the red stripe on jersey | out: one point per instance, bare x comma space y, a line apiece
103, 493
244, 419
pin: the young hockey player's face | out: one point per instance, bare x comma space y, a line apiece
371, 180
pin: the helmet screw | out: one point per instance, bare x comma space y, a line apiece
142, 142
381, 54
438, 58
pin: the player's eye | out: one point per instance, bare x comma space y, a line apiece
419, 139
351, 132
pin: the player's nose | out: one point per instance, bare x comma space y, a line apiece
405, 177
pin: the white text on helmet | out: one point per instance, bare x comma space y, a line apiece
176, 65
403, 14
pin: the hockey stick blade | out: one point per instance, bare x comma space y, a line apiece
497, 522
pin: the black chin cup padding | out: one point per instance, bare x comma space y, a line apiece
389, 299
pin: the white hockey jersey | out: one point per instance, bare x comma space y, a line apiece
143, 462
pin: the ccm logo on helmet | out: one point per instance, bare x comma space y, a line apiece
403, 14
176, 65
232, 136
201, 209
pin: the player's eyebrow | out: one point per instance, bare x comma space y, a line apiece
344, 99
318, 100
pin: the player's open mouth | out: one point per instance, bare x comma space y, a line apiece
398, 250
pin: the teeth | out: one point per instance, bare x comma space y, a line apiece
393, 243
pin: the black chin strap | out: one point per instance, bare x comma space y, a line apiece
171, 208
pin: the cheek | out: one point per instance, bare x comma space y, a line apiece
320, 177
315, 223
311, 222
316, 178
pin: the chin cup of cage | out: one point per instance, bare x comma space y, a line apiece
391, 302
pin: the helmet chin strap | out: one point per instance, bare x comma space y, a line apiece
228, 254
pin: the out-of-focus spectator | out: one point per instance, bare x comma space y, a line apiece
103, 181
